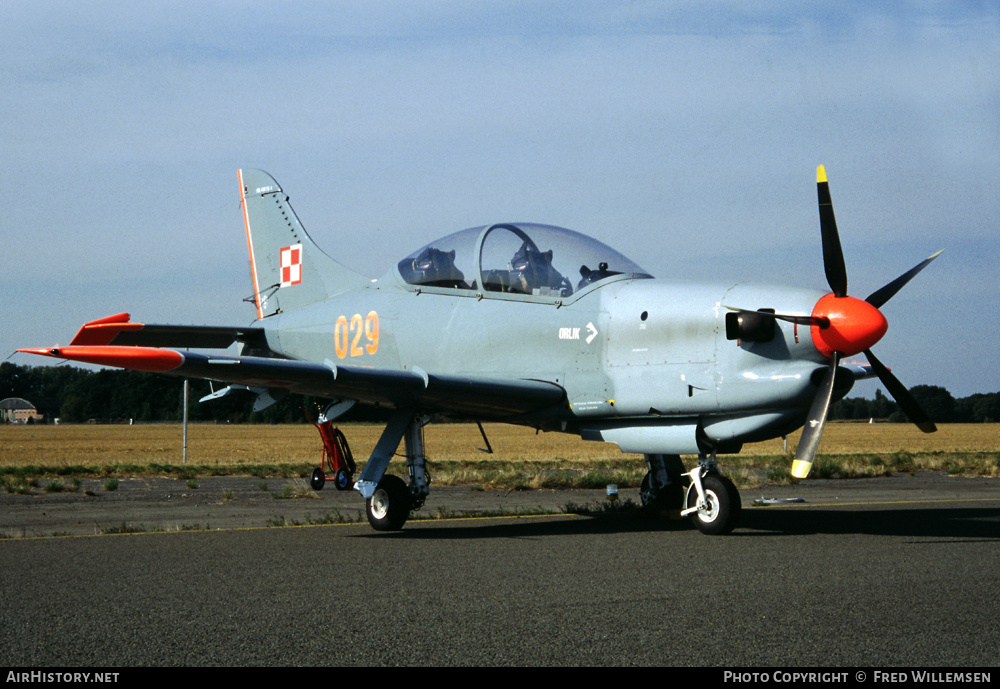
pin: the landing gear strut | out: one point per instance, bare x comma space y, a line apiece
390, 505
662, 488
416, 462
390, 499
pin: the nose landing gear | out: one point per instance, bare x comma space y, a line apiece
713, 502
703, 494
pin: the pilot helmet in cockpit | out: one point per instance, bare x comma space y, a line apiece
435, 267
531, 270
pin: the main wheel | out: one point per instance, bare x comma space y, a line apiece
389, 505
646, 495
669, 498
723, 511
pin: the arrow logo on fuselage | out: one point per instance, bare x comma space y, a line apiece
593, 332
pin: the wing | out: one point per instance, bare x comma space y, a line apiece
118, 342
860, 371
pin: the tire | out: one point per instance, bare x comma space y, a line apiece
670, 498
724, 506
646, 493
318, 480
389, 506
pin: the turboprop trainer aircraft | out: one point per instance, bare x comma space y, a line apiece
535, 325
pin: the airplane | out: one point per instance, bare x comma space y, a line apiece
528, 324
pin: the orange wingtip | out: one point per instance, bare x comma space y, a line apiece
149, 359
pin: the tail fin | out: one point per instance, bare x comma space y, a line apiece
287, 268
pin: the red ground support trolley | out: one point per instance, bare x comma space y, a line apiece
336, 455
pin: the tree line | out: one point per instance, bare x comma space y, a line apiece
78, 395
939, 404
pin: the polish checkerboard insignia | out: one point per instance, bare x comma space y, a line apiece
291, 265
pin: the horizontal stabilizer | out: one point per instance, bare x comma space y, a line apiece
120, 330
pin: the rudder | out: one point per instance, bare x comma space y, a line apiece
287, 268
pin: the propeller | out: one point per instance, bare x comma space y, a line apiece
881, 296
851, 326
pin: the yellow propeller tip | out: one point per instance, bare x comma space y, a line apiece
820, 175
800, 468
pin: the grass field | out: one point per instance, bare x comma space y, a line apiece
521, 457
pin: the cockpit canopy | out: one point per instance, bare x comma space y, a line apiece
522, 258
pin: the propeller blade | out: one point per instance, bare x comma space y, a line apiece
903, 398
833, 254
884, 294
805, 453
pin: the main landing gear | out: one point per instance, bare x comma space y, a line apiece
706, 496
390, 505
388, 499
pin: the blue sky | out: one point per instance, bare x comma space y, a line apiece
684, 134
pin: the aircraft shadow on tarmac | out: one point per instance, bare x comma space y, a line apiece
982, 523
979, 523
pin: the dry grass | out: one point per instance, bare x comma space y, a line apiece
231, 445
521, 457
854, 438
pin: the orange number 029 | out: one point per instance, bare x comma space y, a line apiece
357, 337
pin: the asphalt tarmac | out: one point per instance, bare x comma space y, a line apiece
873, 573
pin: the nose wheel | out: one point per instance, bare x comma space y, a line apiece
713, 502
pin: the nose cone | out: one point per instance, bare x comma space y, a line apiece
855, 325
